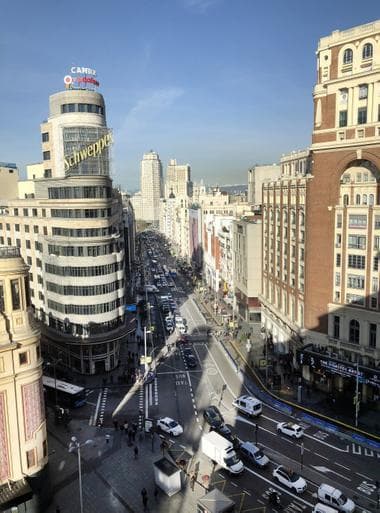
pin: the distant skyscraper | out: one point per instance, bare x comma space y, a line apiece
178, 180
151, 186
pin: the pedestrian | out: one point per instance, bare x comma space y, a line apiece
144, 496
115, 424
121, 427
126, 425
136, 452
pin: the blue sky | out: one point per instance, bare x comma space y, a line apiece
218, 84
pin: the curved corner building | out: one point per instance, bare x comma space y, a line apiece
68, 223
84, 263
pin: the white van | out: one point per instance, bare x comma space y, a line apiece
322, 508
335, 498
249, 405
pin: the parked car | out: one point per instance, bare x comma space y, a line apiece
290, 479
252, 453
170, 426
213, 416
290, 429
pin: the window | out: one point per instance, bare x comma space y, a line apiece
17, 227
15, 290
30, 458
29, 260
365, 199
44, 449
371, 199
355, 281
27, 243
354, 331
1, 297
345, 200
357, 221
15, 211
372, 335
355, 299
343, 118
26, 228
35, 229
367, 51
363, 91
357, 199
23, 358
357, 241
336, 332
45, 137
337, 279
46, 155
8, 226
347, 56
47, 173
376, 242
45, 230
356, 261
376, 263
362, 115
338, 259
25, 212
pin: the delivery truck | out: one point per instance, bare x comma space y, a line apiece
221, 451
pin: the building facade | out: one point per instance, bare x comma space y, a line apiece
283, 253
67, 222
151, 187
256, 177
343, 223
247, 267
23, 437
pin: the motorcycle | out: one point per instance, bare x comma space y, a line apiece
274, 500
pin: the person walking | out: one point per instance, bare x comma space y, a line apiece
136, 452
126, 425
115, 424
144, 496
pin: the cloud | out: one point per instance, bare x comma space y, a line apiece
199, 5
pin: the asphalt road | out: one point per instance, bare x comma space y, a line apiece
183, 394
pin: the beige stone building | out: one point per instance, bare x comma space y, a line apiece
247, 266
67, 222
258, 175
23, 437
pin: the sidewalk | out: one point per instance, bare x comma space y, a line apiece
112, 479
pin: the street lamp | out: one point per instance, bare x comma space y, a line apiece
76, 445
264, 336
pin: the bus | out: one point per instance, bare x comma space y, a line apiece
65, 394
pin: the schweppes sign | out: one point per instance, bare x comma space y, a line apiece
93, 150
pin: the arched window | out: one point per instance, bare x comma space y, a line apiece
302, 219
357, 200
365, 200
354, 331
367, 51
371, 200
347, 56
345, 200
293, 217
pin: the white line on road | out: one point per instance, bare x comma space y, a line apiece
362, 475
325, 470
339, 465
97, 407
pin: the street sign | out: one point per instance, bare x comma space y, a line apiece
130, 308
145, 359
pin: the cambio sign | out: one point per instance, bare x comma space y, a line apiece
84, 78
93, 150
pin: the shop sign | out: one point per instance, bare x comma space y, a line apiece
93, 150
318, 361
81, 78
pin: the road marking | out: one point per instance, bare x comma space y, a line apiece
367, 488
339, 465
362, 475
368, 452
358, 451
326, 470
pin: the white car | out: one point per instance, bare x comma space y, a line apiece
290, 479
290, 429
170, 426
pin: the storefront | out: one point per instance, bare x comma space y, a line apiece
326, 372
